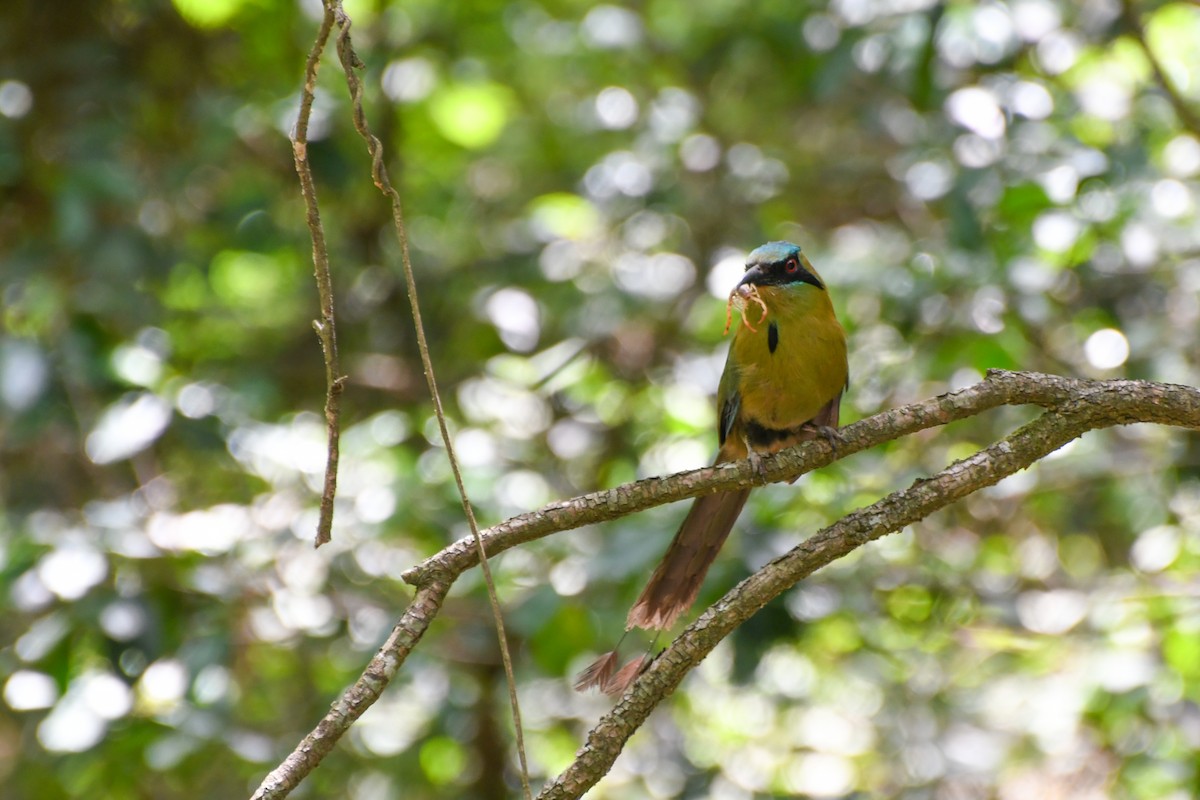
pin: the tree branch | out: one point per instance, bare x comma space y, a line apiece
1073, 407
325, 326
985, 468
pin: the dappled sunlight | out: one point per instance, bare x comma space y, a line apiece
1004, 185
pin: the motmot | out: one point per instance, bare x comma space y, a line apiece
782, 385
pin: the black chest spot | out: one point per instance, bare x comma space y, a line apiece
773, 336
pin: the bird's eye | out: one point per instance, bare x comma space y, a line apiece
791, 265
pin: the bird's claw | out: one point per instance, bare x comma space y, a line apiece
759, 465
831, 434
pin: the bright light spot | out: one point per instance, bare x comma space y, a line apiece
1031, 100
700, 152
1181, 156
828, 731
1052, 612
976, 152
819, 775
71, 727
987, 310
1156, 549
522, 489
1098, 205
123, 620
23, 373
822, 32
301, 611
1056, 231
725, 274
408, 80
401, 716
472, 115
209, 531
1106, 349
1123, 671
1031, 275
645, 230
974, 749
621, 172
611, 28
375, 503
784, 671
994, 31
212, 684
616, 108
127, 427
673, 456
137, 364
976, 109
673, 113
561, 215
569, 439
516, 317
278, 453
208, 13
659, 276
106, 695
1015, 485
196, 400
1104, 97
1034, 19
1140, 245
72, 570
561, 260
929, 180
388, 428
520, 414
154, 217
27, 690
569, 577
1058, 51
475, 447
1171, 198
1060, 183
15, 99
870, 54
41, 637
163, 684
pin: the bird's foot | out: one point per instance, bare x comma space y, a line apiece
759, 465
831, 434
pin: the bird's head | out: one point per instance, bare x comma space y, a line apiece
779, 264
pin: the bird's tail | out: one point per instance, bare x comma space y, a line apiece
674, 585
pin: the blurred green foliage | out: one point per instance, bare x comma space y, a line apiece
1005, 184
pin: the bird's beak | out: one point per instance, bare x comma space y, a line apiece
752, 277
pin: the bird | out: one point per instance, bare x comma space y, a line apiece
782, 384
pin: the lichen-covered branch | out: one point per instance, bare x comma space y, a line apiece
1000, 388
1073, 407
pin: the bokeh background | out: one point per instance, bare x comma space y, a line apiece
1003, 184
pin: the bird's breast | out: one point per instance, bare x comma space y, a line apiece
790, 367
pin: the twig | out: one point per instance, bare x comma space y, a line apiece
351, 63
325, 327
1071, 402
